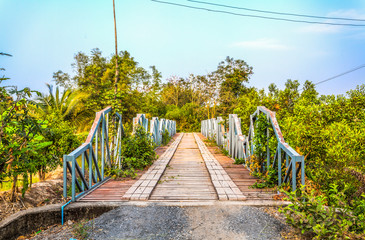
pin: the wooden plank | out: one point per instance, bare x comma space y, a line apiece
186, 177
240, 176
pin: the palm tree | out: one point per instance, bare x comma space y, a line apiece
66, 106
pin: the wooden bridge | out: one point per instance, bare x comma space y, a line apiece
189, 168
183, 172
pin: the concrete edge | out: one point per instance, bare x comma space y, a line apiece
30, 220
190, 203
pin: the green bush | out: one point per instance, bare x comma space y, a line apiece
121, 173
239, 161
267, 180
137, 153
165, 137
138, 150
315, 218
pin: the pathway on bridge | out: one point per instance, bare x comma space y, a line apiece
239, 175
186, 177
187, 170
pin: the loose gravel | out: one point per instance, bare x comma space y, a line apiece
255, 224
152, 222
189, 222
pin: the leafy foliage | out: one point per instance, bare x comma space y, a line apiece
139, 149
312, 214
137, 153
165, 137
328, 131
29, 142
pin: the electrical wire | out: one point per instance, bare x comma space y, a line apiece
278, 13
339, 75
258, 16
274, 18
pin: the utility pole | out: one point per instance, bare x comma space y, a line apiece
115, 82
116, 55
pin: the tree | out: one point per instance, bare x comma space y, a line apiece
20, 136
63, 80
66, 106
232, 76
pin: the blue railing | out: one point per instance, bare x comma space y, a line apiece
101, 150
157, 127
242, 147
96, 152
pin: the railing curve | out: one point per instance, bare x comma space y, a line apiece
95, 152
240, 146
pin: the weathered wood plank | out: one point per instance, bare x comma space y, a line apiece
186, 177
240, 176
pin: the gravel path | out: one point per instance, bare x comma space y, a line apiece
130, 222
168, 222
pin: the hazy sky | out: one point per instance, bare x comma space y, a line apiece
44, 35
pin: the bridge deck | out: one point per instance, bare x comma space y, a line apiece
186, 177
186, 170
240, 176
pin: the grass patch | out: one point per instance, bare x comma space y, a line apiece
81, 230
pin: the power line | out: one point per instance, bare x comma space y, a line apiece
339, 75
278, 13
5, 54
257, 16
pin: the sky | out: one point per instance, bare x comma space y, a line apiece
44, 35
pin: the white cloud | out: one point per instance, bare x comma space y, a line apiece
328, 29
263, 43
349, 13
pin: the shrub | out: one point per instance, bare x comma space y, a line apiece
138, 150
313, 215
137, 153
165, 137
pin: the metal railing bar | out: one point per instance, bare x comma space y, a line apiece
83, 169
96, 164
90, 170
94, 127
81, 176
75, 180
117, 141
102, 147
275, 157
289, 150
107, 144
298, 169
91, 189
287, 173
98, 118
78, 151
95, 150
